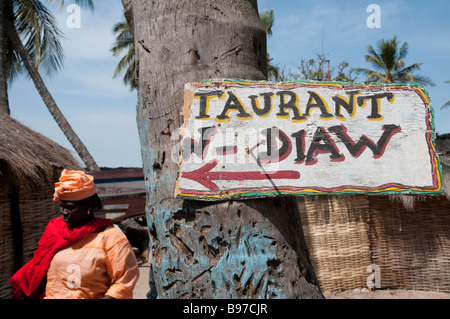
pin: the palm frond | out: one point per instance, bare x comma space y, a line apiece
268, 20
371, 76
403, 51
388, 64
40, 34
273, 72
398, 65
13, 67
411, 68
405, 78
127, 65
424, 80
388, 52
447, 104
374, 59
131, 75
124, 62
124, 39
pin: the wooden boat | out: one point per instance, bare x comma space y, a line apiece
122, 192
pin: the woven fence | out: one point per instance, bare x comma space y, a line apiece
337, 233
36, 210
6, 243
412, 248
347, 235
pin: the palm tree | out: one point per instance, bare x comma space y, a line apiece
250, 248
124, 41
30, 41
448, 102
389, 65
267, 18
4, 104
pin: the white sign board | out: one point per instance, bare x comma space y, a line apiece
257, 139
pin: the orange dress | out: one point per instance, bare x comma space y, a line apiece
99, 264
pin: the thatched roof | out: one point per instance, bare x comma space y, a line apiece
29, 159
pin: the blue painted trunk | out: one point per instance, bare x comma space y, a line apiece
232, 249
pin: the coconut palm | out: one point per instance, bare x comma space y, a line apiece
30, 42
448, 102
206, 257
4, 104
387, 59
124, 41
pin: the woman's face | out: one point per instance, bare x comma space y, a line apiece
75, 213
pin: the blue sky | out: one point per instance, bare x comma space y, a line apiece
425, 26
102, 110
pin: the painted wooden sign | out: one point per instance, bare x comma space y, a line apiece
256, 139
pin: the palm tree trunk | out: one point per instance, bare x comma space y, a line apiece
233, 249
60, 119
128, 11
4, 103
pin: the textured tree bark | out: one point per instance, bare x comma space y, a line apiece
233, 249
4, 103
17, 228
128, 11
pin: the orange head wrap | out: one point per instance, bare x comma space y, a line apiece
74, 186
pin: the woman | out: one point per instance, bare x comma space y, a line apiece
79, 256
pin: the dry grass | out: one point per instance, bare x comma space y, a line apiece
29, 159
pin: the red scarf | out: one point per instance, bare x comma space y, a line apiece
29, 281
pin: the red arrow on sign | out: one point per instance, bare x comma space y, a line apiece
205, 177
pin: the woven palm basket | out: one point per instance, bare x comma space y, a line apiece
411, 247
337, 233
6, 243
36, 210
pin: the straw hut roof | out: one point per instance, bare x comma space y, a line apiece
29, 159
